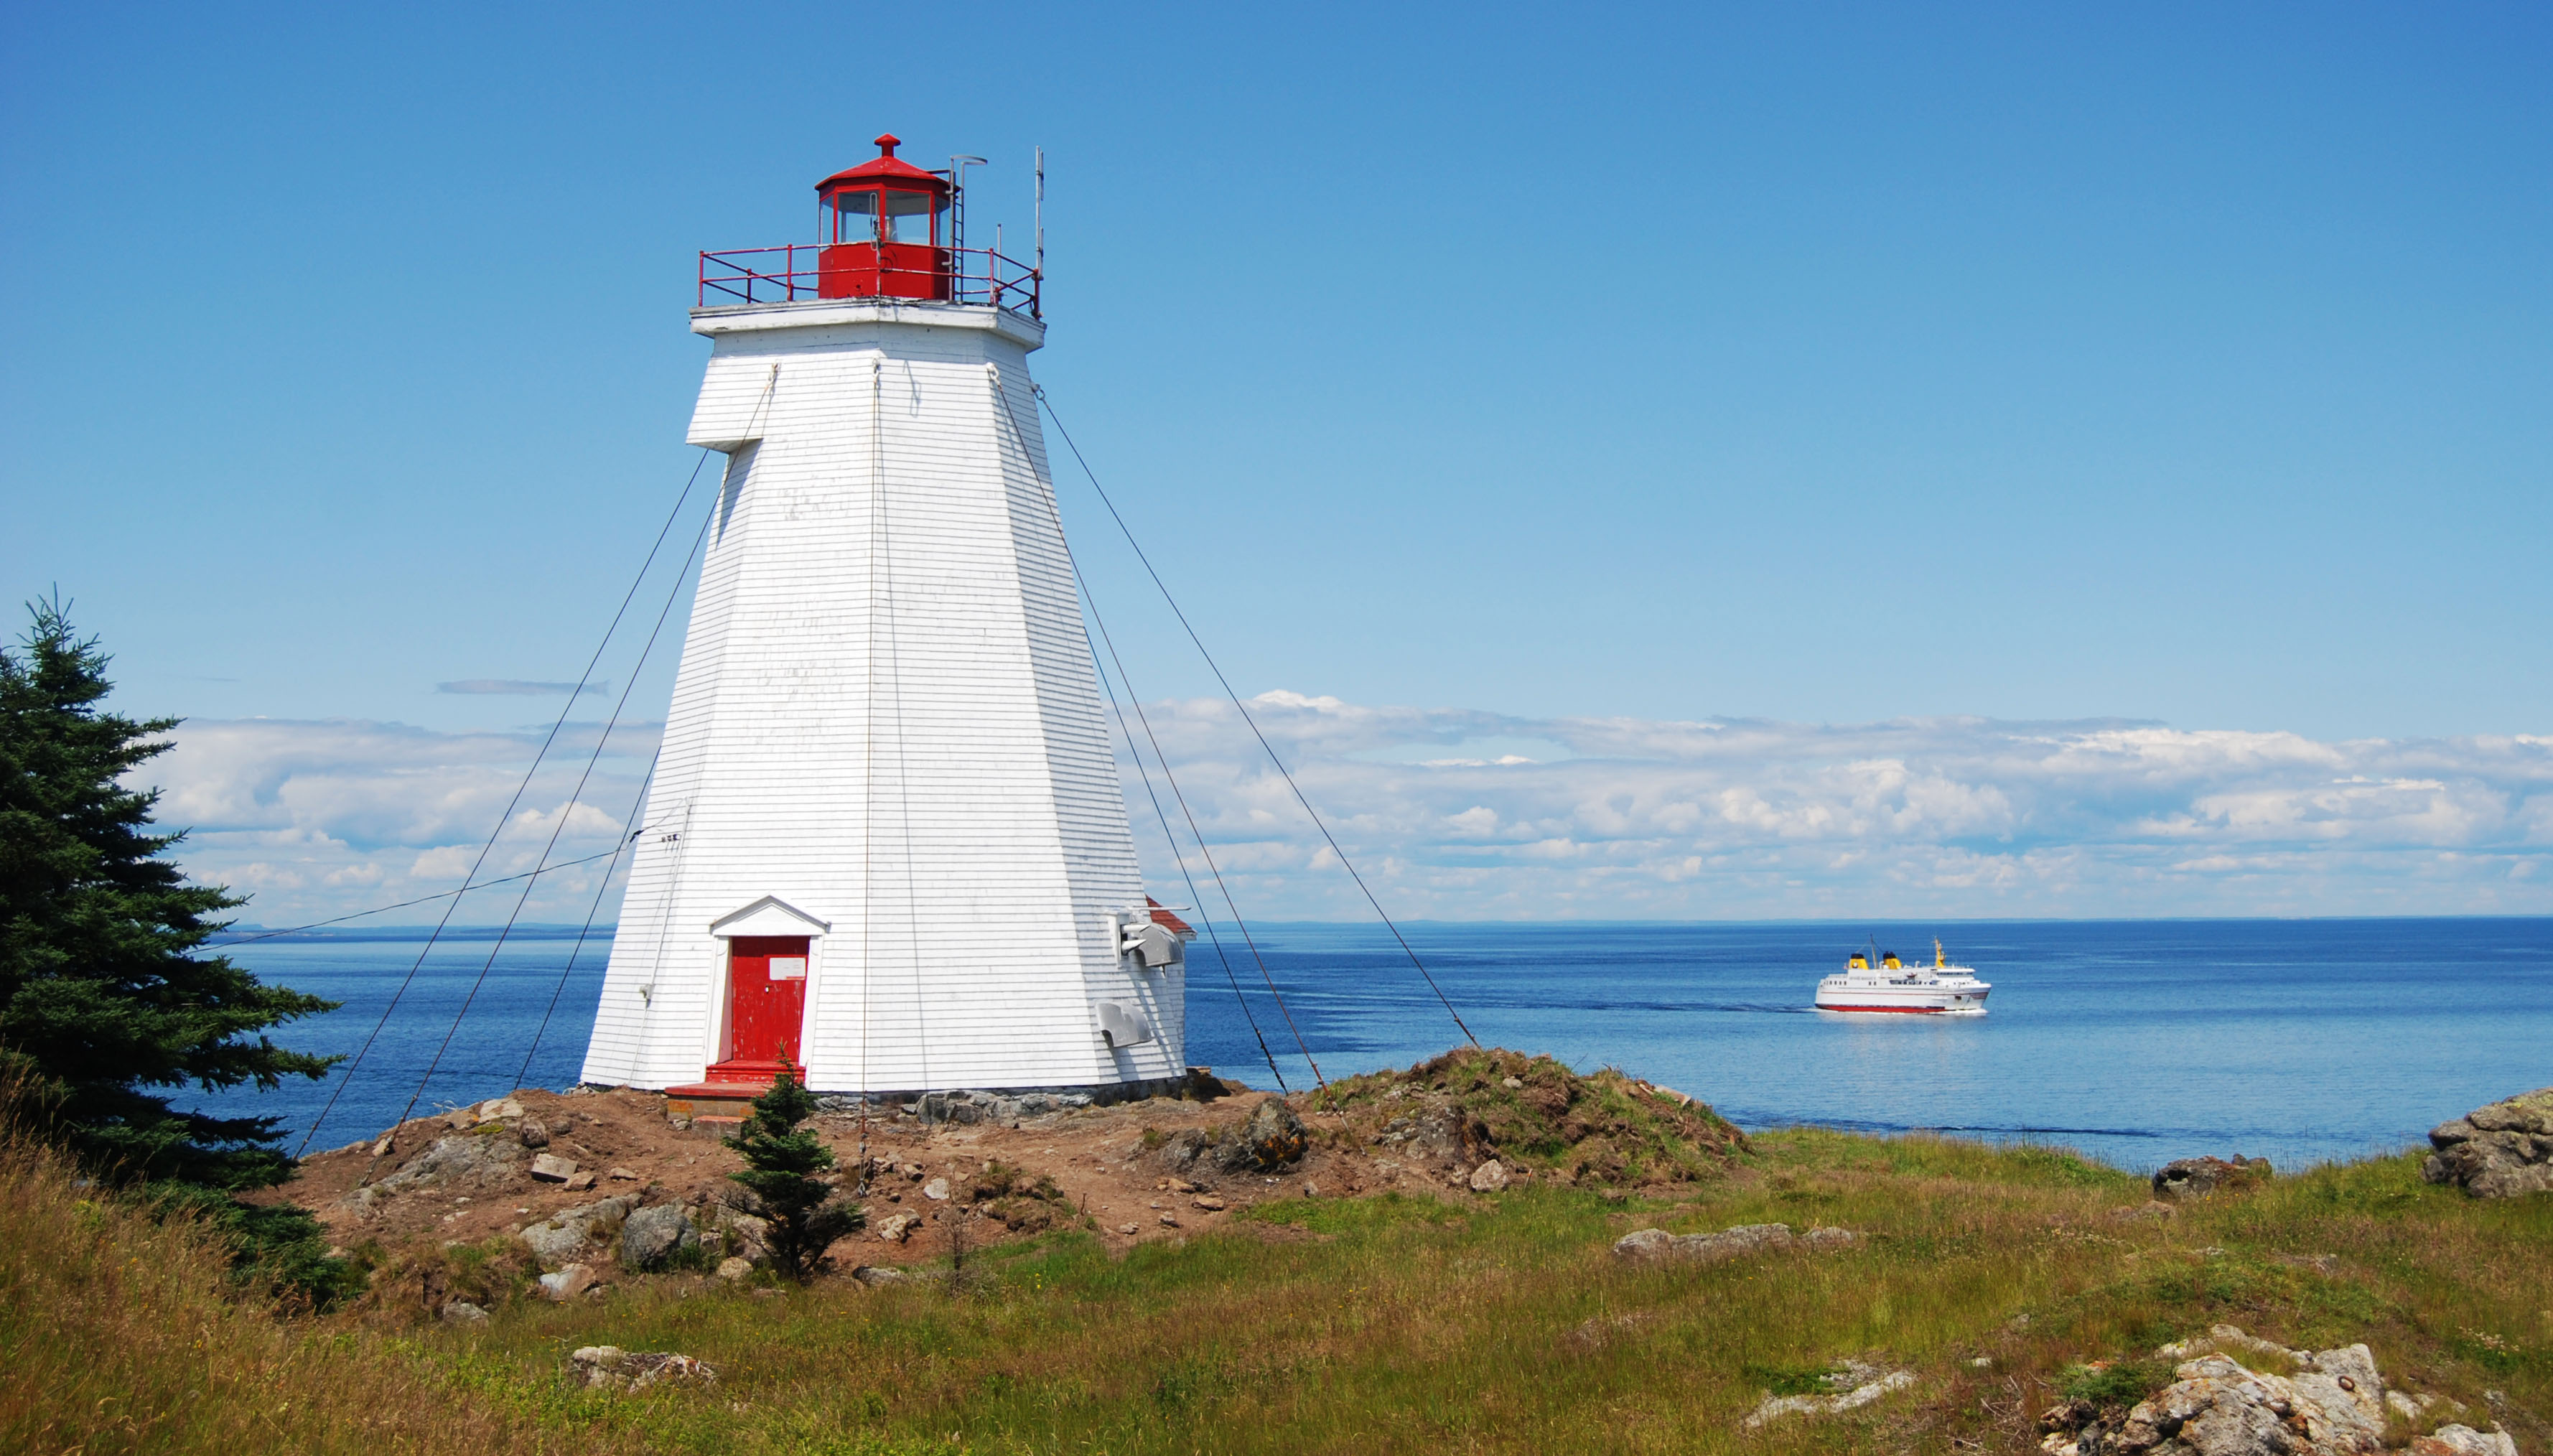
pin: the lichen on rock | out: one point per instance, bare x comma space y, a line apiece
2501, 1151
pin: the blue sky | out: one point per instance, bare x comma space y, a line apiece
1814, 366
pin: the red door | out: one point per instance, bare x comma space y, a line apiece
766, 998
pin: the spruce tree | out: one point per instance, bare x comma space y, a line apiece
783, 1166
106, 1001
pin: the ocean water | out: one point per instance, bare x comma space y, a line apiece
2136, 1042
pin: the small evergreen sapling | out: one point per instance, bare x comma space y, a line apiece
783, 1166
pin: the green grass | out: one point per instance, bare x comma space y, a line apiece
1404, 1325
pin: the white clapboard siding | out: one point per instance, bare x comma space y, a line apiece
886, 718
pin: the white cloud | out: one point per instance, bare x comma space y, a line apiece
1630, 818
1735, 818
317, 819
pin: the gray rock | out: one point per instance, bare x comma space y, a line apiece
462, 1311
563, 1285
1854, 1384
613, 1368
2188, 1178
1001, 1109
871, 1275
734, 1266
1442, 1135
2217, 1408
1180, 1151
561, 1238
1657, 1246
2463, 1440
1833, 1238
650, 1236
896, 1229
498, 1109
550, 1167
2502, 1151
2344, 1386
1488, 1177
467, 1162
936, 1190
748, 1236
1272, 1140
2527, 1113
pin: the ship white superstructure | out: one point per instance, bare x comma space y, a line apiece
1879, 982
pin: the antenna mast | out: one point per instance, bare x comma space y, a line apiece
1040, 213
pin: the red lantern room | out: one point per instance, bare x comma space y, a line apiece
884, 231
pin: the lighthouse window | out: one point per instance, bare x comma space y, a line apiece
854, 217
908, 217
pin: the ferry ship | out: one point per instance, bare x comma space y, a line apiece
1939, 989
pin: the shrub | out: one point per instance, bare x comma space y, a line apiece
784, 1167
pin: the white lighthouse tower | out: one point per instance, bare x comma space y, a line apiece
885, 844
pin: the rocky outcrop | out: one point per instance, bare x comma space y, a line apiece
2501, 1151
1446, 1136
468, 1160
649, 1237
563, 1237
1272, 1140
1657, 1246
562, 1285
613, 1367
742, 1235
2188, 1178
2331, 1402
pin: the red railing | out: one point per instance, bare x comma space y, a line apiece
789, 274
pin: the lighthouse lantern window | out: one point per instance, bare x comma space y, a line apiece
854, 217
912, 217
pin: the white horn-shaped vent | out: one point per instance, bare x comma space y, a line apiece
1124, 1025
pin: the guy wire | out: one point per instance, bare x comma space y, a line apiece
1198, 835
406, 982
1218, 669
559, 825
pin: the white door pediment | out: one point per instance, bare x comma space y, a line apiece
768, 916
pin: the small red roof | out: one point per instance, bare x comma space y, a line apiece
887, 168
1167, 921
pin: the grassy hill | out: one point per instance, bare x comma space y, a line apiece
1388, 1323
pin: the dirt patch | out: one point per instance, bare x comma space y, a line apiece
1129, 1172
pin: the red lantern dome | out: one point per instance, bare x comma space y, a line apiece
884, 230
